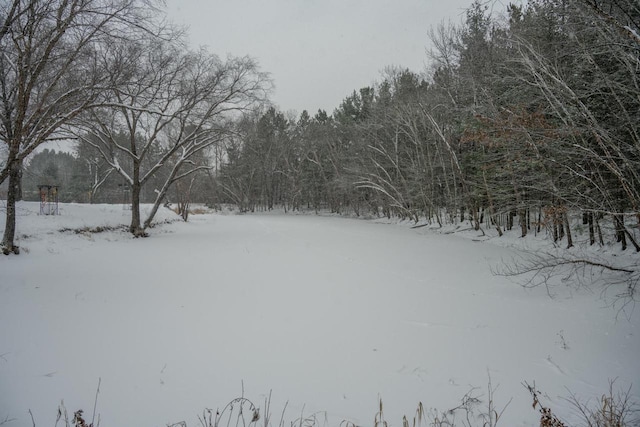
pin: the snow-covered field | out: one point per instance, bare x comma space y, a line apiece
329, 313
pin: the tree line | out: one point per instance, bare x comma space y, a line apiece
521, 120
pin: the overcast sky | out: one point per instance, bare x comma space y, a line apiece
317, 51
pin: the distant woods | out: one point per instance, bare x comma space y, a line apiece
523, 121
520, 121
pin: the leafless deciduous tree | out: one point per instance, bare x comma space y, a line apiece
50, 73
174, 105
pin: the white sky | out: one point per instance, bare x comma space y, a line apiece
317, 52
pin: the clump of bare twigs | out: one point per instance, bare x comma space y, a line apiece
547, 418
240, 412
77, 420
617, 281
614, 409
471, 412
78, 416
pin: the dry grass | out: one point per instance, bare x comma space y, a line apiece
613, 409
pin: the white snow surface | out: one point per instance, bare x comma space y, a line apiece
328, 313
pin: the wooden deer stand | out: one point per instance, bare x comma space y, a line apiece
48, 199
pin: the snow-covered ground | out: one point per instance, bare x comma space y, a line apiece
329, 313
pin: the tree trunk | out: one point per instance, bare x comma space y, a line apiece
559, 219
632, 239
523, 222
13, 195
476, 218
624, 233
568, 230
159, 198
598, 229
135, 227
492, 210
592, 235
619, 223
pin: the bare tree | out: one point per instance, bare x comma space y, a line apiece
9, 11
49, 74
174, 105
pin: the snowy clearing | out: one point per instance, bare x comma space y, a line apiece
329, 313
